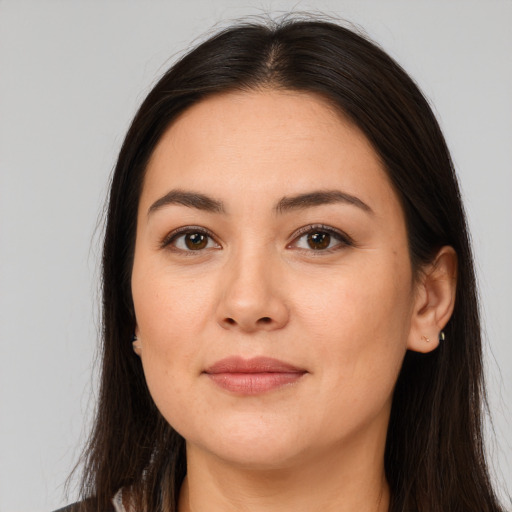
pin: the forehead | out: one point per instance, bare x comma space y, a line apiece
266, 142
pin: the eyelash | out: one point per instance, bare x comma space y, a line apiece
171, 238
343, 239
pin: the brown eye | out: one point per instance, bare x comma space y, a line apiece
318, 240
196, 241
321, 239
190, 239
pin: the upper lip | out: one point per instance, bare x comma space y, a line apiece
237, 364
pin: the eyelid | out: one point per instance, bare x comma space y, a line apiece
299, 233
338, 234
183, 230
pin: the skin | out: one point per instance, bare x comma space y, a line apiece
345, 314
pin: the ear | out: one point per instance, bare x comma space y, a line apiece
136, 342
434, 301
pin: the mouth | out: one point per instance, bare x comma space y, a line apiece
253, 376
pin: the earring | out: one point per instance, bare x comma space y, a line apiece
135, 345
424, 338
442, 337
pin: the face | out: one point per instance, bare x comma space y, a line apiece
271, 281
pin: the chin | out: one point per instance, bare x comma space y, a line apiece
257, 455
257, 447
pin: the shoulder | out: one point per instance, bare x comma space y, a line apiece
91, 504
82, 506
75, 507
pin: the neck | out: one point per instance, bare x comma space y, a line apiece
341, 480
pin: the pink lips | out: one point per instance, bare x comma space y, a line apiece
252, 376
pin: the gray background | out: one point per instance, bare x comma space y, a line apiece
71, 76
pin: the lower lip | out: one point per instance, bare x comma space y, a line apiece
254, 383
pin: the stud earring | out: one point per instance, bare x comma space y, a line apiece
424, 338
135, 345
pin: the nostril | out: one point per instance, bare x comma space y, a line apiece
265, 322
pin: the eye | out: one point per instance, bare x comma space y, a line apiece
320, 238
190, 239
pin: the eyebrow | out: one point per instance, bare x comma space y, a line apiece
317, 198
286, 204
190, 199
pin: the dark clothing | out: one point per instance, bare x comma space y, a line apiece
82, 506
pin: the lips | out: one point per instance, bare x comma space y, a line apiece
253, 376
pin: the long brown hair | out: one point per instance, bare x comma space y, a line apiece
434, 457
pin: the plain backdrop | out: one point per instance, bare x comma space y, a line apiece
72, 74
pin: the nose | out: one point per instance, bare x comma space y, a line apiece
252, 296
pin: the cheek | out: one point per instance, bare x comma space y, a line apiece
168, 305
171, 315
358, 324
358, 299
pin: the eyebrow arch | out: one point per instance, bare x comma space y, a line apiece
317, 198
190, 199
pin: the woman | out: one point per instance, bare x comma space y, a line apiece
290, 313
